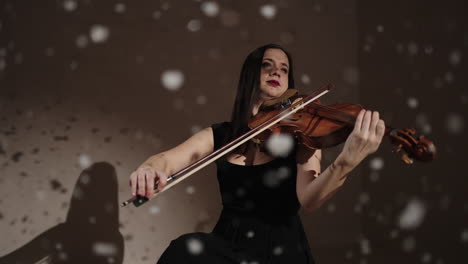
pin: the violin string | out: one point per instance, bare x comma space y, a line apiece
346, 118
342, 116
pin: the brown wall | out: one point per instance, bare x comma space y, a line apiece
64, 108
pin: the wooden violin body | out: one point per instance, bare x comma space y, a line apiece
317, 127
314, 125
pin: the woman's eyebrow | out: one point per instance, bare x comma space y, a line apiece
268, 59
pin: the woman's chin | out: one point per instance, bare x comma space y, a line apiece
271, 94
266, 97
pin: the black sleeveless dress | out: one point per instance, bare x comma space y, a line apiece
259, 222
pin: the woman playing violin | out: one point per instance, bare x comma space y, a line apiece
261, 193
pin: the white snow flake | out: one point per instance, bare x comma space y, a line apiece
194, 246
376, 163
81, 41
305, 79
455, 57
104, 249
99, 33
69, 5
412, 102
172, 80
409, 244
119, 8
201, 99
194, 25
268, 11
84, 161
380, 28
365, 246
464, 236
154, 210
280, 145
278, 250
210, 8
190, 189
351, 75
455, 123
412, 215
274, 177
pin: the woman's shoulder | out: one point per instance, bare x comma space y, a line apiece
221, 125
220, 131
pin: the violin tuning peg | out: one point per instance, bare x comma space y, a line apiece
406, 159
397, 148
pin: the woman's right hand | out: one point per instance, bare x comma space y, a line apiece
143, 180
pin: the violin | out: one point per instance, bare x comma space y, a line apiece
318, 126
312, 124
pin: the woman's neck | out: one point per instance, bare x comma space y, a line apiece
256, 107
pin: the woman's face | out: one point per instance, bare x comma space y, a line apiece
274, 74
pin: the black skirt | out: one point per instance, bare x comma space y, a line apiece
243, 239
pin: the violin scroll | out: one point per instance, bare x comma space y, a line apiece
420, 148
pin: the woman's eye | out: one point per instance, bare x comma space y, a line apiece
265, 64
285, 70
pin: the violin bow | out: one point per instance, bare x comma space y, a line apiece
200, 164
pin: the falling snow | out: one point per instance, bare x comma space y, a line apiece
230, 18
210, 8
278, 250
120, 8
364, 198
224, 16
268, 11
99, 33
455, 123
464, 236
280, 145
351, 75
201, 100
190, 189
412, 215
376, 163
455, 57
305, 79
413, 48
426, 257
409, 244
194, 246
365, 246
412, 102
84, 161
273, 178
104, 249
70, 5
2, 64
380, 28
194, 25
172, 80
195, 129
154, 210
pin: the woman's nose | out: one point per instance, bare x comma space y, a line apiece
274, 71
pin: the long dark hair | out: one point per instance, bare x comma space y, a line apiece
248, 89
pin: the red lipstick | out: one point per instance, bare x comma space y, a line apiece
274, 82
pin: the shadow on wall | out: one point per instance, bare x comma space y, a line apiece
91, 231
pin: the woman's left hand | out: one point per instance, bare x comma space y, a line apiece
363, 140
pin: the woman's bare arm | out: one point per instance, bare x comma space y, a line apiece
161, 165
314, 189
